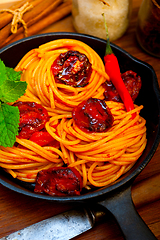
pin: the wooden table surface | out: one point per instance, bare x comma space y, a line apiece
18, 211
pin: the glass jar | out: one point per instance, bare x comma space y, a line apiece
88, 19
148, 27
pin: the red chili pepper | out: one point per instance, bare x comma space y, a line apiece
113, 70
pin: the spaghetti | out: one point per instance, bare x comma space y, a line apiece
100, 157
42, 88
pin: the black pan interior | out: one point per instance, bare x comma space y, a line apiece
149, 97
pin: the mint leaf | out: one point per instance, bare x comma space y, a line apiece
10, 91
3, 76
9, 119
12, 75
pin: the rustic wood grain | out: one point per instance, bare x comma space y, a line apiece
18, 211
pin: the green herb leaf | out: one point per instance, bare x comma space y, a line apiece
12, 75
9, 119
11, 89
2, 73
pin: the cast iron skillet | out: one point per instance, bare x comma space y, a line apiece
116, 197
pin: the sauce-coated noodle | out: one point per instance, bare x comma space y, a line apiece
101, 158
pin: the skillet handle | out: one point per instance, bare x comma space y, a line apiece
130, 222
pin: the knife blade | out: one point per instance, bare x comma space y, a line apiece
63, 226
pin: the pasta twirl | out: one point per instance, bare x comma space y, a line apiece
26, 160
107, 155
42, 88
100, 157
